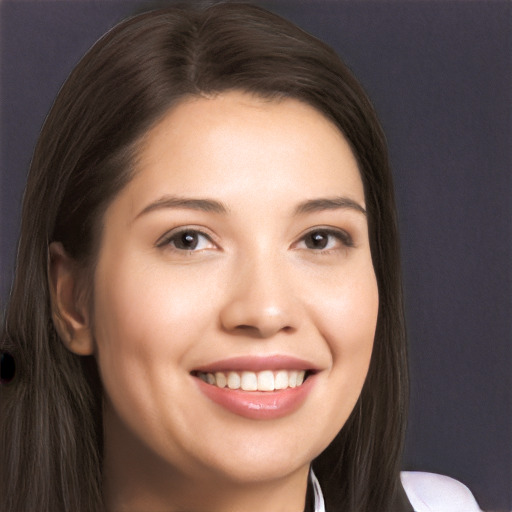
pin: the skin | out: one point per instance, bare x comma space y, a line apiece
253, 285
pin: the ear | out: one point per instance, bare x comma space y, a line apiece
69, 308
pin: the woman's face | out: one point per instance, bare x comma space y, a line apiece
238, 257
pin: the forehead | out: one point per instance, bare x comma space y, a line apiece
236, 143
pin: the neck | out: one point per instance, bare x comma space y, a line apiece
136, 478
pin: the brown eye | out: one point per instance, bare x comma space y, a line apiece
326, 239
187, 240
317, 240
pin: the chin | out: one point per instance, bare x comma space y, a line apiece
259, 471
262, 462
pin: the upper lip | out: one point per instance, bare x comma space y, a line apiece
257, 364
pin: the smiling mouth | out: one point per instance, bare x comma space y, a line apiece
266, 380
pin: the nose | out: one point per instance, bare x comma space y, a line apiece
260, 301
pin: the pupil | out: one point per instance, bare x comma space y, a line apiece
188, 241
317, 240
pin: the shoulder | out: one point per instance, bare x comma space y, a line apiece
429, 492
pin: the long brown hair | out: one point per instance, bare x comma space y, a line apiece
51, 441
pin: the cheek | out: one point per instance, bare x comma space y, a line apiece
142, 306
145, 324
346, 316
346, 313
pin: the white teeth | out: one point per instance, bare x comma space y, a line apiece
265, 380
281, 379
249, 381
233, 380
220, 379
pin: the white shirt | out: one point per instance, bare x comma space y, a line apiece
427, 492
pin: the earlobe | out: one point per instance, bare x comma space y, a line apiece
69, 311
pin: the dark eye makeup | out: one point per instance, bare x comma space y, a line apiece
326, 238
186, 240
321, 239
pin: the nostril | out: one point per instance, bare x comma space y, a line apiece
261, 331
257, 315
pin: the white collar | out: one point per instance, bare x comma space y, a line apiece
319, 497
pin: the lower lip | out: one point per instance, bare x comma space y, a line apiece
258, 405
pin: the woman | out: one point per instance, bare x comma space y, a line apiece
207, 309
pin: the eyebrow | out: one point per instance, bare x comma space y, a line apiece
329, 203
213, 206
204, 205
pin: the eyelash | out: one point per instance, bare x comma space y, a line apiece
339, 234
172, 238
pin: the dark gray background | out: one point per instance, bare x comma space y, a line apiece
439, 73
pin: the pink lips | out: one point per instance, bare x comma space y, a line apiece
257, 364
260, 405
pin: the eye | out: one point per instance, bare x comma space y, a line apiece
325, 239
187, 240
